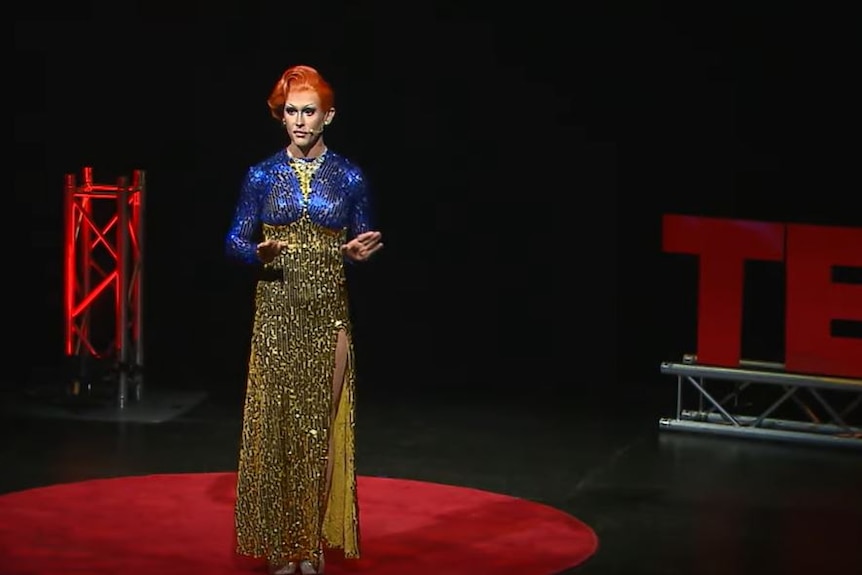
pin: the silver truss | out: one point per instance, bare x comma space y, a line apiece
789, 407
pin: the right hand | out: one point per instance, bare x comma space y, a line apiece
269, 250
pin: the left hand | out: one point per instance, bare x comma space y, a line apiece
362, 246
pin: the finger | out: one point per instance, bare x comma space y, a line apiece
370, 251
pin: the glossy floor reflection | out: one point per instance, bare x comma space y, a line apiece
660, 502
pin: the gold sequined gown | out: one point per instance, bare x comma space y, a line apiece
282, 512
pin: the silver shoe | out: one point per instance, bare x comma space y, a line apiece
307, 567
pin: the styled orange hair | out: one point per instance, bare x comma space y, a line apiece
298, 78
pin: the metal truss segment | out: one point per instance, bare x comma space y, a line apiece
758, 400
118, 235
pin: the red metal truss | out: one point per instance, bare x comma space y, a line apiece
104, 263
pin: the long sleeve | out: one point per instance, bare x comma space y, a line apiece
361, 216
241, 242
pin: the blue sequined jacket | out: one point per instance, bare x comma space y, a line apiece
271, 193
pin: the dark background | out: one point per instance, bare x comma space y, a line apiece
520, 159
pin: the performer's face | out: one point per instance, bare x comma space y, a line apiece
304, 117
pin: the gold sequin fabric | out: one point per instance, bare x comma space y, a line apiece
282, 512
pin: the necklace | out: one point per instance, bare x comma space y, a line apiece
305, 168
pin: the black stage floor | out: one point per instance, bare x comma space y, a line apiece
661, 502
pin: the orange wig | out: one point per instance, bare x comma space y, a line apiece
297, 79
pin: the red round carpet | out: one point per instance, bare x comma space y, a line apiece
183, 524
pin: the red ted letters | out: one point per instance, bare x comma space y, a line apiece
814, 300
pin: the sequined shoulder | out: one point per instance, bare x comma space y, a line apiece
353, 175
266, 166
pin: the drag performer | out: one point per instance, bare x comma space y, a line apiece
302, 214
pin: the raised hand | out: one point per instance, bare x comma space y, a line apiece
268, 250
362, 246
